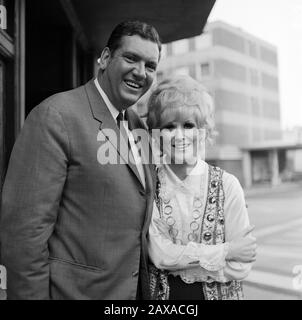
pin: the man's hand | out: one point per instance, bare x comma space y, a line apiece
243, 247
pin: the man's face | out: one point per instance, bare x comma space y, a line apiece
130, 71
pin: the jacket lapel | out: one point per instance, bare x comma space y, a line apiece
144, 146
101, 113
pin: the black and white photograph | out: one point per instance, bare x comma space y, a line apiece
150, 150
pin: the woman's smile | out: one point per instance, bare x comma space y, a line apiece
181, 145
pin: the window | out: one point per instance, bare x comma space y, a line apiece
7, 16
7, 77
256, 134
3, 17
225, 38
205, 69
254, 78
192, 71
180, 47
235, 71
252, 49
255, 106
233, 101
270, 82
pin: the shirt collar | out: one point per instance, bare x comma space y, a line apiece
192, 182
114, 112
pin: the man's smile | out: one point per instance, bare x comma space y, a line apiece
133, 85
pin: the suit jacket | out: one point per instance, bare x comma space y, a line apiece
72, 228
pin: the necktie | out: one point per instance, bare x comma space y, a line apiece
119, 119
120, 123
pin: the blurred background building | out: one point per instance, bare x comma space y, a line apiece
241, 73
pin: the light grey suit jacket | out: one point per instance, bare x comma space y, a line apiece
72, 228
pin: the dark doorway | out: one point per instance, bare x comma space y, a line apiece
48, 51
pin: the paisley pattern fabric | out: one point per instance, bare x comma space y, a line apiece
212, 232
159, 286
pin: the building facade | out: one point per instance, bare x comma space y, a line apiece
241, 73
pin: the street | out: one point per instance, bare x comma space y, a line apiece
277, 215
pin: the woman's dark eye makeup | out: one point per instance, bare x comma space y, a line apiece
189, 125
168, 126
185, 125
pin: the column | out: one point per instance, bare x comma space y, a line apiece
274, 166
247, 168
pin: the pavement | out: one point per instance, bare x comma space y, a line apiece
277, 215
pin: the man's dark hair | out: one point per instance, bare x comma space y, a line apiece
131, 28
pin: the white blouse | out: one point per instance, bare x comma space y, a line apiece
194, 261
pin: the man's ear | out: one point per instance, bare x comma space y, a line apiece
104, 58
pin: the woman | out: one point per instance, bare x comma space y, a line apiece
199, 238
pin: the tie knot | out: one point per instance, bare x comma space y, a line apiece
120, 117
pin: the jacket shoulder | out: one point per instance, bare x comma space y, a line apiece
65, 103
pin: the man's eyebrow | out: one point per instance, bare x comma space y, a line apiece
132, 54
137, 56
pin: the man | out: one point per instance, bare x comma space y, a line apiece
71, 227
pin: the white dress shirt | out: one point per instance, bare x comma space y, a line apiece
114, 112
194, 261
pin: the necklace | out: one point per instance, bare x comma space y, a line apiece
166, 208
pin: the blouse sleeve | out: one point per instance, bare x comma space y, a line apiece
167, 255
207, 262
236, 220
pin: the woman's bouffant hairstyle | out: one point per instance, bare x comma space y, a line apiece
182, 96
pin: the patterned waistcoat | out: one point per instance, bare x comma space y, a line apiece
212, 232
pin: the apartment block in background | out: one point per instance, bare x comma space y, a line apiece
241, 73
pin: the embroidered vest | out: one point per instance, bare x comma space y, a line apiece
212, 232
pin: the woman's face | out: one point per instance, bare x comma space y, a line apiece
181, 139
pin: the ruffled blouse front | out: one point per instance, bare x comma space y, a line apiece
183, 206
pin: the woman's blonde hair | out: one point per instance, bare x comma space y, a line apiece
185, 96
